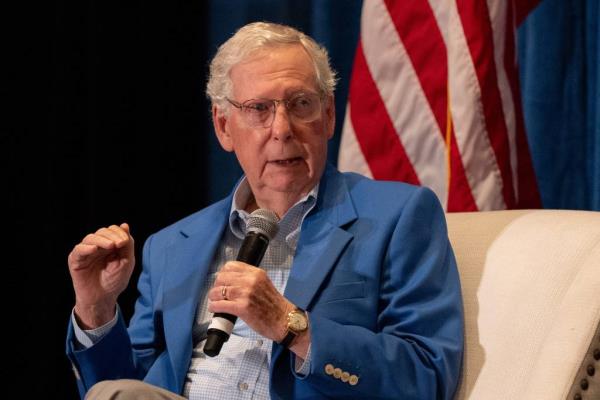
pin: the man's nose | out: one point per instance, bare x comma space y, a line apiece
281, 127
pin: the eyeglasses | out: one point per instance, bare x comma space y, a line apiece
302, 107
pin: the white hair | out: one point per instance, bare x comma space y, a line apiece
258, 36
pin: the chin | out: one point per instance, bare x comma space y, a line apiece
287, 187
290, 185
289, 181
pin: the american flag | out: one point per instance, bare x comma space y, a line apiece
434, 100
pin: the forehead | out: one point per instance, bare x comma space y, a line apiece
274, 71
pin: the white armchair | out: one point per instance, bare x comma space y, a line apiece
531, 290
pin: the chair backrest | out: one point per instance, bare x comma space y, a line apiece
531, 289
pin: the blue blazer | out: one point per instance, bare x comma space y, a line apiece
373, 267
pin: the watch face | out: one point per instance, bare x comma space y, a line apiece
297, 321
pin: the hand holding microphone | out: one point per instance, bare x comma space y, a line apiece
261, 228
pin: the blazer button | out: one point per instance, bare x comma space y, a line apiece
337, 373
329, 369
345, 377
353, 380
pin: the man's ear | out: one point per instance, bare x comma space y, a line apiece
221, 124
330, 116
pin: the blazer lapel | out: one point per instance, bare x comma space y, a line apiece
322, 239
188, 261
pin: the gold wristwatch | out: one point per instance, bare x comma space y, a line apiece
297, 322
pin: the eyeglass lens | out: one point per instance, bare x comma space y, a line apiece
301, 107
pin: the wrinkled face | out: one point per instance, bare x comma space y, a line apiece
289, 156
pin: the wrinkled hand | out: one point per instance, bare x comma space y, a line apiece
100, 267
252, 297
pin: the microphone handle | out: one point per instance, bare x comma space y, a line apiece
252, 251
253, 248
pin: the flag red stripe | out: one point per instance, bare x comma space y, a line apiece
420, 34
460, 197
523, 8
478, 32
529, 196
374, 130
421, 37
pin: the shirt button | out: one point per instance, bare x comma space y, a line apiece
243, 386
259, 342
329, 369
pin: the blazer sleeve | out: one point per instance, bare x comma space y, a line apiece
415, 350
114, 357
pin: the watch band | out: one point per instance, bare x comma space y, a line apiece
287, 340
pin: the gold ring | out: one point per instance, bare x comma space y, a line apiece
224, 293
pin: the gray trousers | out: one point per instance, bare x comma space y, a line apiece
129, 389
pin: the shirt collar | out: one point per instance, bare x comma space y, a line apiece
288, 225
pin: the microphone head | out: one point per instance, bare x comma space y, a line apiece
263, 221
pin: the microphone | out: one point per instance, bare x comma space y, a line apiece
261, 228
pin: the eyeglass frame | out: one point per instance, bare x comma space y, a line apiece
241, 105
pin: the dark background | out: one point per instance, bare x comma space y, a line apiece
105, 121
113, 129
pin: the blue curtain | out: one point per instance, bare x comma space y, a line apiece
558, 56
558, 51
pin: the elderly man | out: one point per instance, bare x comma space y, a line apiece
357, 295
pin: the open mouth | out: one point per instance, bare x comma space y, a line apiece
287, 161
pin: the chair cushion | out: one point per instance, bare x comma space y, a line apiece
531, 290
